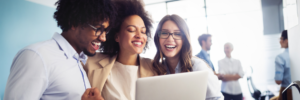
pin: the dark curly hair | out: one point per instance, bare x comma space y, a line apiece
125, 8
82, 12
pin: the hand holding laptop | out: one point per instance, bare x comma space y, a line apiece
92, 94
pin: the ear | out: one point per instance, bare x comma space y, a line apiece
203, 42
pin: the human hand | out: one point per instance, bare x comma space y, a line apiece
220, 77
91, 94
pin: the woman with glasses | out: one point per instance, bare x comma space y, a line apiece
174, 53
115, 69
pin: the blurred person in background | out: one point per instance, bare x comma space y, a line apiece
53, 70
115, 69
282, 68
174, 53
205, 43
230, 71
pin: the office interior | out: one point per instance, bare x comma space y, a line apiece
252, 26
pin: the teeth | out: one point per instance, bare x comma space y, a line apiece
138, 43
170, 46
97, 43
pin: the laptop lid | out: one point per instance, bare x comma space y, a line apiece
180, 86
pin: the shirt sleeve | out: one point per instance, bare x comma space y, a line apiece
27, 79
221, 70
213, 87
241, 71
279, 68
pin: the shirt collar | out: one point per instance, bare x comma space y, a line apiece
228, 58
286, 50
205, 52
69, 51
177, 69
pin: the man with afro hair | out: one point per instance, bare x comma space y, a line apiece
53, 69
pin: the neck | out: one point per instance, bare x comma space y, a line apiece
172, 63
127, 59
228, 55
69, 38
203, 48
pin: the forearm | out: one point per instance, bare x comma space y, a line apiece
278, 82
230, 77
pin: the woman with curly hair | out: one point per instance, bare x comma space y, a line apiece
174, 53
115, 69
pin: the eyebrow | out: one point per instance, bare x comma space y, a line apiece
134, 26
168, 30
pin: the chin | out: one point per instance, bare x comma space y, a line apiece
170, 55
89, 53
139, 52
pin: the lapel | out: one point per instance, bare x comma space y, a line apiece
104, 67
145, 67
101, 73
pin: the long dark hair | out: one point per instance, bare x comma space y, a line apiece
185, 52
125, 8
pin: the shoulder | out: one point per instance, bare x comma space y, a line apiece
42, 49
280, 57
100, 59
40, 46
146, 67
236, 60
146, 60
199, 64
199, 54
222, 60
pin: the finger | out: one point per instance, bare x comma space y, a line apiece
85, 94
97, 92
91, 92
87, 91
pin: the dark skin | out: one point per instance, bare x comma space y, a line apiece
81, 38
92, 94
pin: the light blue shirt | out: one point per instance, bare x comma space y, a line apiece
213, 87
282, 67
206, 57
49, 70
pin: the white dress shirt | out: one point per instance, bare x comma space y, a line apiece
120, 83
49, 70
231, 66
213, 91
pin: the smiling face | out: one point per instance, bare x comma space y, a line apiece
86, 40
132, 37
170, 47
228, 49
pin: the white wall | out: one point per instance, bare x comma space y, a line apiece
294, 45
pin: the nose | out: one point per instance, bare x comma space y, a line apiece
170, 38
102, 37
138, 34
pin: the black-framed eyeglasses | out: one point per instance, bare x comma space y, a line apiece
98, 31
175, 35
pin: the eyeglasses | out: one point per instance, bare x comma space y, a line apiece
176, 35
98, 31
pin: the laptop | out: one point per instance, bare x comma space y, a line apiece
180, 86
